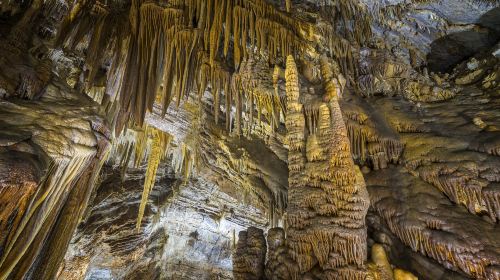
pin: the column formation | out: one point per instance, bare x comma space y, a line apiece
327, 196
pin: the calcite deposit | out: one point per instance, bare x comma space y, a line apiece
250, 139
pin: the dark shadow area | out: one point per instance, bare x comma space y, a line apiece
491, 20
10, 13
452, 49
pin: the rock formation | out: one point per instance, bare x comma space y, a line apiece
250, 255
326, 197
249, 139
279, 264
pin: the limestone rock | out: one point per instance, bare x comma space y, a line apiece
249, 258
140, 139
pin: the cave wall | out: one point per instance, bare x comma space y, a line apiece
409, 91
188, 232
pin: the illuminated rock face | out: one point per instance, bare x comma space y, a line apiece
52, 152
236, 139
186, 233
327, 197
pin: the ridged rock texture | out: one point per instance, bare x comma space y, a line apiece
250, 255
327, 197
250, 139
186, 233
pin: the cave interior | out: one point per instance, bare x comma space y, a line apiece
250, 139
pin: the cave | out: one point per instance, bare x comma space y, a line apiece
250, 139
456, 47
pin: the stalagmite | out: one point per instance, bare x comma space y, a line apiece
278, 265
400, 274
338, 198
250, 255
380, 259
295, 122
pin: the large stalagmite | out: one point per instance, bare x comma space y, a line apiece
327, 195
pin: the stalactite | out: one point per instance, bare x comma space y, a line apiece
272, 36
419, 239
164, 42
216, 29
149, 145
228, 27
360, 31
241, 27
459, 183
33, 82
369, 145
278, 98
238, 119
259, 95
98, 41
183, 162
160, 143
216, 104
185, 44
229, 105
220, 80
203, 79
165, 49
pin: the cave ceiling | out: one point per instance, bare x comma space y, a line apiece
250, 139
